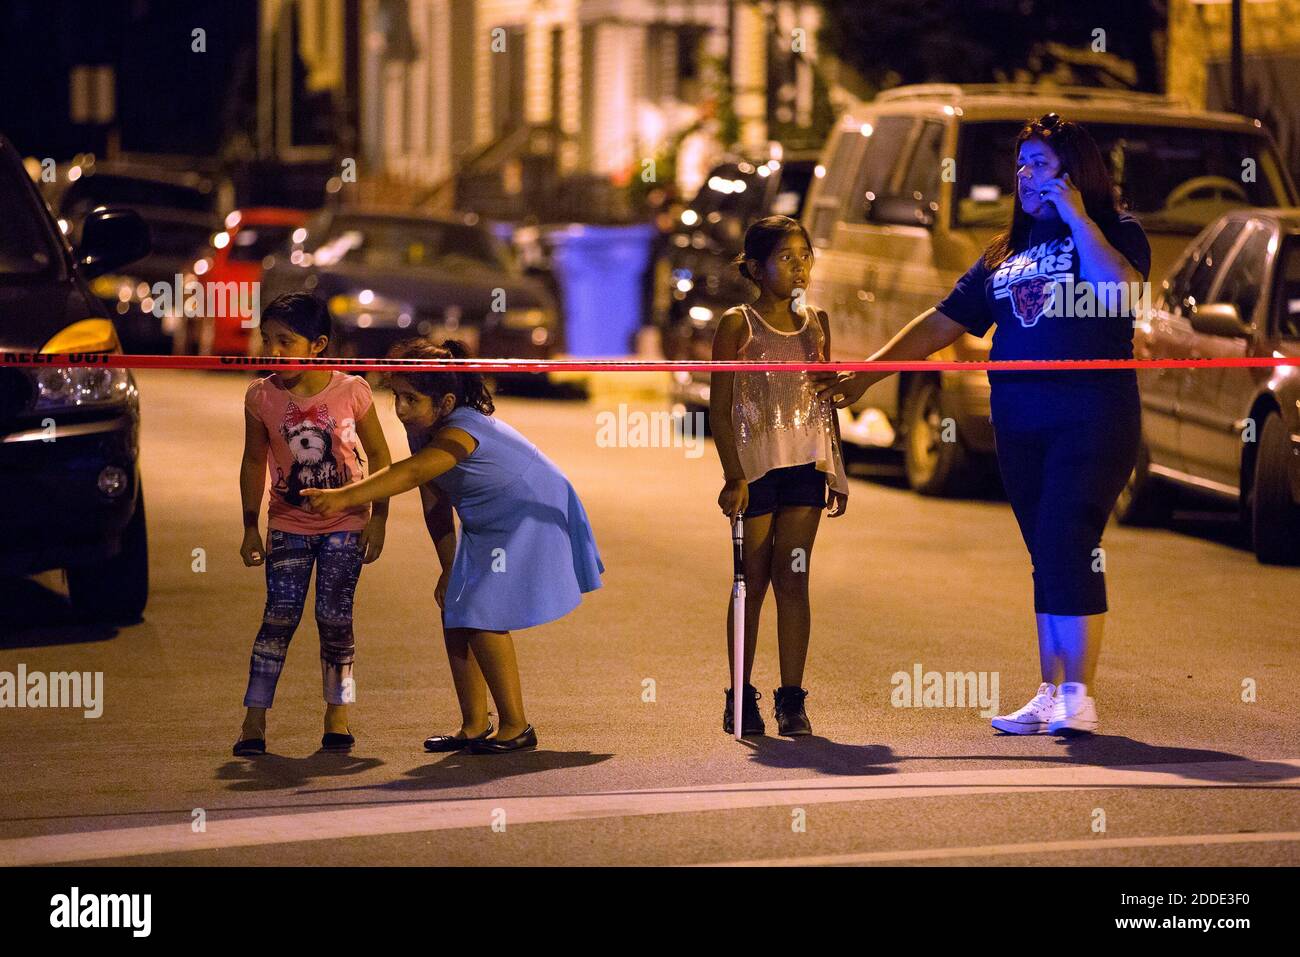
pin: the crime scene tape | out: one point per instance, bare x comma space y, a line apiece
124, 361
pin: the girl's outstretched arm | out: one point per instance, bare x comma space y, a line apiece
442, 454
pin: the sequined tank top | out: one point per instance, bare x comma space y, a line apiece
777, 418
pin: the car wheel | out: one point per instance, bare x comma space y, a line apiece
934, 467
1144, 500
116, 589
1274, 519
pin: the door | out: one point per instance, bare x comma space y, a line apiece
1171, 338
1209, 444
1217, 401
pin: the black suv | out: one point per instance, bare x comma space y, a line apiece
70, 494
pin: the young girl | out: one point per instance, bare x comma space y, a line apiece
526, 552
780, 448
304, 427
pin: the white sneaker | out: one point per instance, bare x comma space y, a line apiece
1073, 712
1033, 717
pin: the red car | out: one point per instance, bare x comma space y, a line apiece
235, 257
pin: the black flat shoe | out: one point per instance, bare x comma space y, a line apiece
249, 746
526, 741
333, 741
449, 742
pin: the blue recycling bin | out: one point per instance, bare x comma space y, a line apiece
600, 270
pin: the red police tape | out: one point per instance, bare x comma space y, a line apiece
120, 361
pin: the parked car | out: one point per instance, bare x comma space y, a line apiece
387, 276
70, 488
235, 256
183, 211
1233, 434
912, 186
694, 280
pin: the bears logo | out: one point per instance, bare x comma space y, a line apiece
1029, 296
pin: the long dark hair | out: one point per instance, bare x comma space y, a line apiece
468, 387
1079, 157
762, 237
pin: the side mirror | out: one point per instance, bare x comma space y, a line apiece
111, 238
1219, 319
900, 211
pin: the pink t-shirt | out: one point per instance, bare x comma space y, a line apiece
313, 444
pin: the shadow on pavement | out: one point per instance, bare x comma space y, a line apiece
468, 770
1106, 750
822, 755
37, 616
270, 772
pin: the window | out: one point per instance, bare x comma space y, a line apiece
1242, 282
1288, 290
26, 243
921, 181
255, 243
1198, 290
830, 194
1175, 178
792, 189
888, 136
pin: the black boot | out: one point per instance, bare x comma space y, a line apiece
751, 722
791, 719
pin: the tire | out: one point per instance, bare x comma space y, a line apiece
1274, 516
116, 589
934, 467
1144, 501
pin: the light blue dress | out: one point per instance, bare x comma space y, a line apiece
526, 553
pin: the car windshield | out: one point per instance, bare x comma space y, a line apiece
729, 200
397, 243
1174, 178
109, 189
179, 238
26, 247
255, 243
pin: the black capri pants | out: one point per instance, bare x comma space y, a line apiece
1064, 457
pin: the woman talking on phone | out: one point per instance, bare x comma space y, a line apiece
1066, 440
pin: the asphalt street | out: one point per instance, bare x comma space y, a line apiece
626, 693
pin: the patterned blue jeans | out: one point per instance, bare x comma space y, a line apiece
289, 561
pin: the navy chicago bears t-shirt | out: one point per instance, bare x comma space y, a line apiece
1015, 297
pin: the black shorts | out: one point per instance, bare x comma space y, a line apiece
785, 487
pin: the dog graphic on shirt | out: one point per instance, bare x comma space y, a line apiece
309, 435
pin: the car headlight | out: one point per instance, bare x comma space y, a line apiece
523, 318
111, 287
365, 309
74, 388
